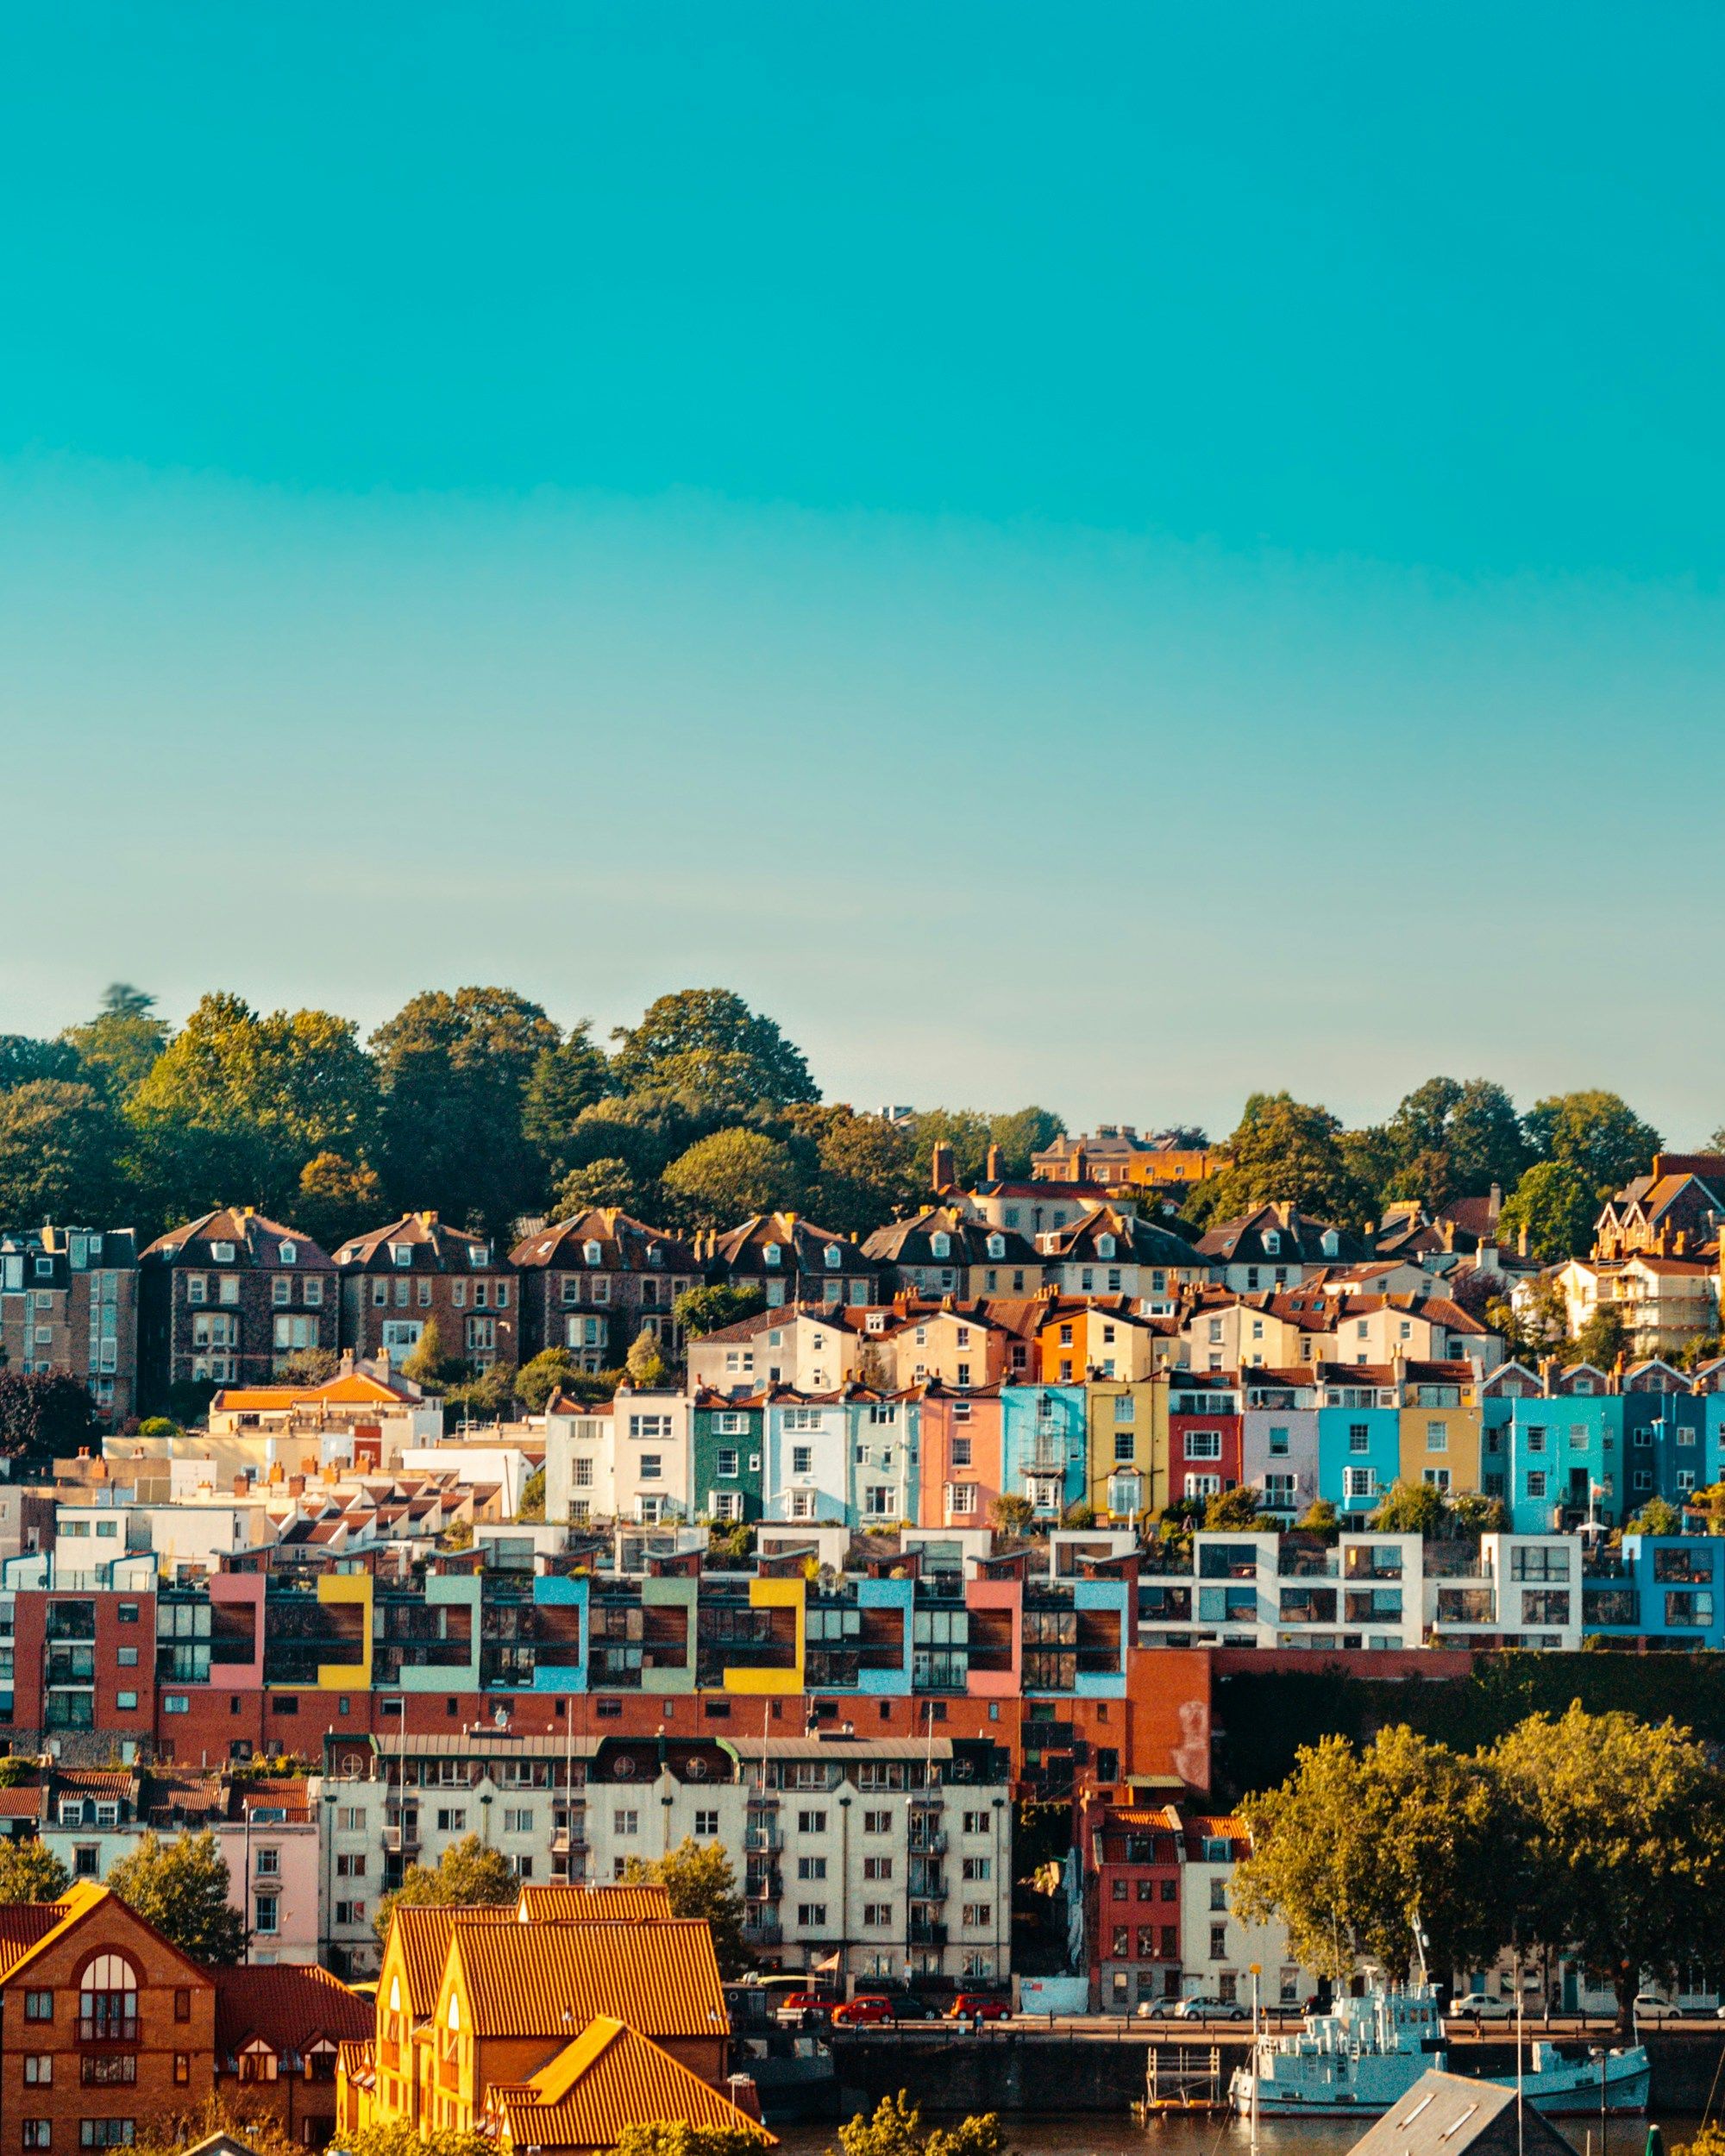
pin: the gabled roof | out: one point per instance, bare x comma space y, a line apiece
523, 1979
599, 1903
625, 1244
256, 1241
289, 2005
609, 2078
790, 1231
433, 1246
26, 1930
422, 1934
1240, 1241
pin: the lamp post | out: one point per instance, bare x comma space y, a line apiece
329, 1873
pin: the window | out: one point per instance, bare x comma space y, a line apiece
876, 1915
1359, 1436
727, 1462
811, 1867
625, 1823
978, 1868
264, 1908
1219, 1942
518, 1819
106, 2132
108, 2001
452, 1819
36, 2133
706, 1824
812, 1915
1360, 1482
877, 1823
38, 2069
182, 2004
182, 2068
1203, 1444
802, 1459
811, 1823
654, 1427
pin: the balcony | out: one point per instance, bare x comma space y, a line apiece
927, 1933
931, 1845
762, 1928
766, 1836
108, 2029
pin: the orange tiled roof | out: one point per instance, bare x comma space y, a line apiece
592, 1904
524, 1980
289, 2005
609, 2078
424, 1934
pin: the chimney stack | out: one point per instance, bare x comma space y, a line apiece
991, 1164
940, 1167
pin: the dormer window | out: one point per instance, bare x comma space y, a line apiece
940, 1245
1332, 1243
835, 1257
479, 1253
591, 1253
222, 1253
997, 1246
770, 1255
289, 1253
1104, 1246
401, 1253
655, 1253
1272, 1243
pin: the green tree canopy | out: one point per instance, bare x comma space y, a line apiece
44, 1413
119, 1046
336, 1198
865, 1171
1454, 1140
564, 1082
58, 1153
732, 1175
181, 1887
26, 1061
676, 2137
645, 1363
239, 1102
703, 1310
453, 1072
428, 1361
1410, 1508
963, 1130
601, 1183
537, 1382
1557, 1206
708, 1044
1022, 1132
1285, 1150
895, 2128
1596, 1134
1232, 1511
700, 1881
1623, 1826
468, 1872
30, 1872
532, 1505
1353, 1850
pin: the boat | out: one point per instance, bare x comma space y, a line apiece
1364, 2055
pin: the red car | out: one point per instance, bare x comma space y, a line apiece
795, 2004
970, 2005
865, 2011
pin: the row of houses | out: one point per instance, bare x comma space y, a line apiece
1560, 1448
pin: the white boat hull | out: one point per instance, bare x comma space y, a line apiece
1364, 2087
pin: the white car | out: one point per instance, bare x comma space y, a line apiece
1650, 2007
1480, 2006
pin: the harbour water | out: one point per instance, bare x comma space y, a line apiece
1087, 2136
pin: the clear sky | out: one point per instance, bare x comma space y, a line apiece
1111, 554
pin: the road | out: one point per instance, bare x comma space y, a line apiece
1565, 2028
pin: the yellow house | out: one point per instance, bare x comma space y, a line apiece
1439, 1428
1126, 1450
1079, 1340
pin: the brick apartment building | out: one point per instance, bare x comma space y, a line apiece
592, 1283
227, 1299
418, 1270
108, 2026
69, 1302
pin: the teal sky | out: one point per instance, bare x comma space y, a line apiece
1106, 554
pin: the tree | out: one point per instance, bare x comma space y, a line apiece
731, 1175
706, 1042
1012, 1514
428, 1361
239, 1102
469, 1872
699, 1311
538, 1381
1557, 1206
1285, 1151
1452, 1140
44, 1414
645, 1365
119, 1046
532, 1504
1538, 1326
453, 1072
26, 1061
564, 1080
336, 1198
865, 1171
1595, 1133
676, 2137
309, 1366
395, 2137
1473, 1514
963, 1129
1320, 1518
181, 1887
1410, 1508
30, 1872
1233, 1511
1022, 1132
1603, 1337
699, 1880
895, 2128
598, 1184
1656, 1517
1623, 1823
486, 1397
1353, 1850
58, 1148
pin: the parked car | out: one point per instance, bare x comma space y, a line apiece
1158, 2009
866, 2010
970, 2004
1650, 2007
911, 2007
1210, 2010
794, 2004
1480, 2006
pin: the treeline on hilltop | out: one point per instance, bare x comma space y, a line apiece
477, 1104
